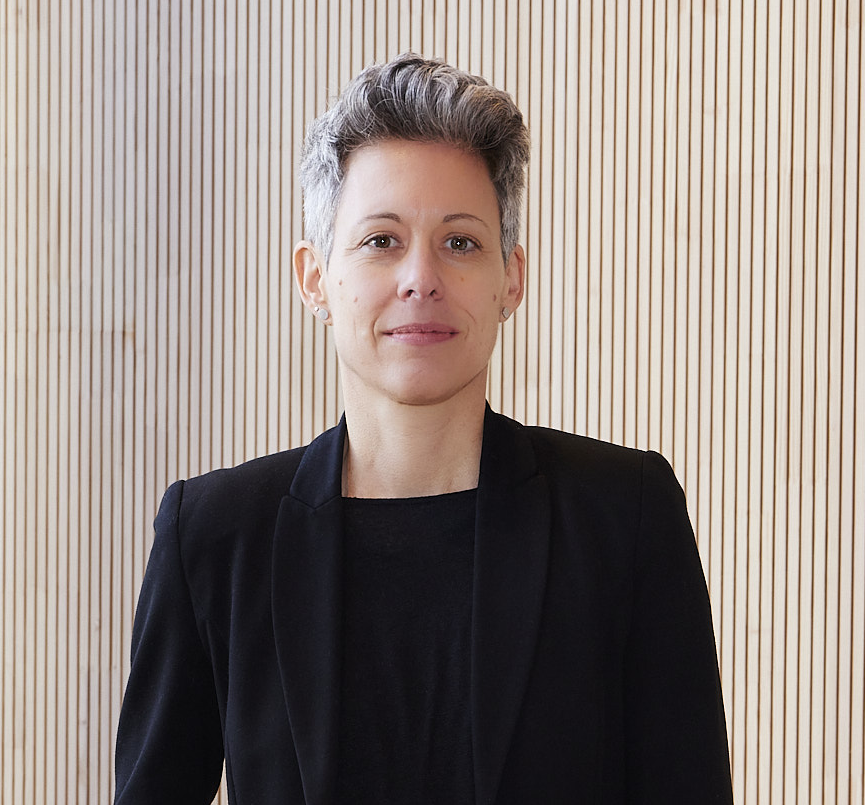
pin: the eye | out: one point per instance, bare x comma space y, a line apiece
460, 243
380, 241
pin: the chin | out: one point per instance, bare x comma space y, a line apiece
427, 391
419, 397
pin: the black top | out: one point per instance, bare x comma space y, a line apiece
405, 725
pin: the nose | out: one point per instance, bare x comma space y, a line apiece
420, 275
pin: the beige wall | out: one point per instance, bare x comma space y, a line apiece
694, 230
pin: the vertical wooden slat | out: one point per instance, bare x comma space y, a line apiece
795, 232
226, 240
605, 265
8, 436
189, 313
836, 764
87, 453
531, 100
615, 325
690, 244
630, 41
198, 406
785, 726
251, 277
830, 477
704, 510
594, 207
666, 33
749, 371
203, 213
280, 204
767, 79
566, 246
679, 87
520, 342
18, 705
64, 680
46, 523
270, 26
214, 151
655, 155
112, 329
823, 751
852, 434
542, 98
298, 109
123, 395
73, 208
644, 20
857, 382
807, 392
292, 100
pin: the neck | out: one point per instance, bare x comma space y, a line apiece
399, 451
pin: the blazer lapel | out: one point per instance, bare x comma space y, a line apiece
511, 554
307, 610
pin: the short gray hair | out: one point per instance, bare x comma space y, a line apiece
424, 100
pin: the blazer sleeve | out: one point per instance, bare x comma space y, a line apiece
169, 737
676, 736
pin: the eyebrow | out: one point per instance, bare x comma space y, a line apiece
377, 216
454, 216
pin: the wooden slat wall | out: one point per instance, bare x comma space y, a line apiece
694, 231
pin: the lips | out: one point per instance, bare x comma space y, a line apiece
422, 333
428, 327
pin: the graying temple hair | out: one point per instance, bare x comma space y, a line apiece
425, 100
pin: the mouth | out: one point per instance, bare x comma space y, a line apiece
422, 333
428, 327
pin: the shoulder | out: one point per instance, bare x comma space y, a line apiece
573, 451
609, 486
221, 523
227, 498
243, 489
594, 463
579, 460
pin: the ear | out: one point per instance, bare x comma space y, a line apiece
515, 279
309, 275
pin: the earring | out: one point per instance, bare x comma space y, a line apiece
505, 313
321, 313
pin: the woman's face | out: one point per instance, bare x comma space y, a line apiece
416, 284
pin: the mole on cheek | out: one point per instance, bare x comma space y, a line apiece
340, 282
495, 298
355, 300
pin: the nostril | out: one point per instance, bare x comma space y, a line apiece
433, 293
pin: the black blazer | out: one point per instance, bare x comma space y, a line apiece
594, 676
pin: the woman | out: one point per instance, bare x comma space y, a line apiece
430, 602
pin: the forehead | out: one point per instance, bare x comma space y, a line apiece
418, 176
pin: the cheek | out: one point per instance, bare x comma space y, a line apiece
354, 319
348, 297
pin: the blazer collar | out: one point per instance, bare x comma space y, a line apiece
511, 552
